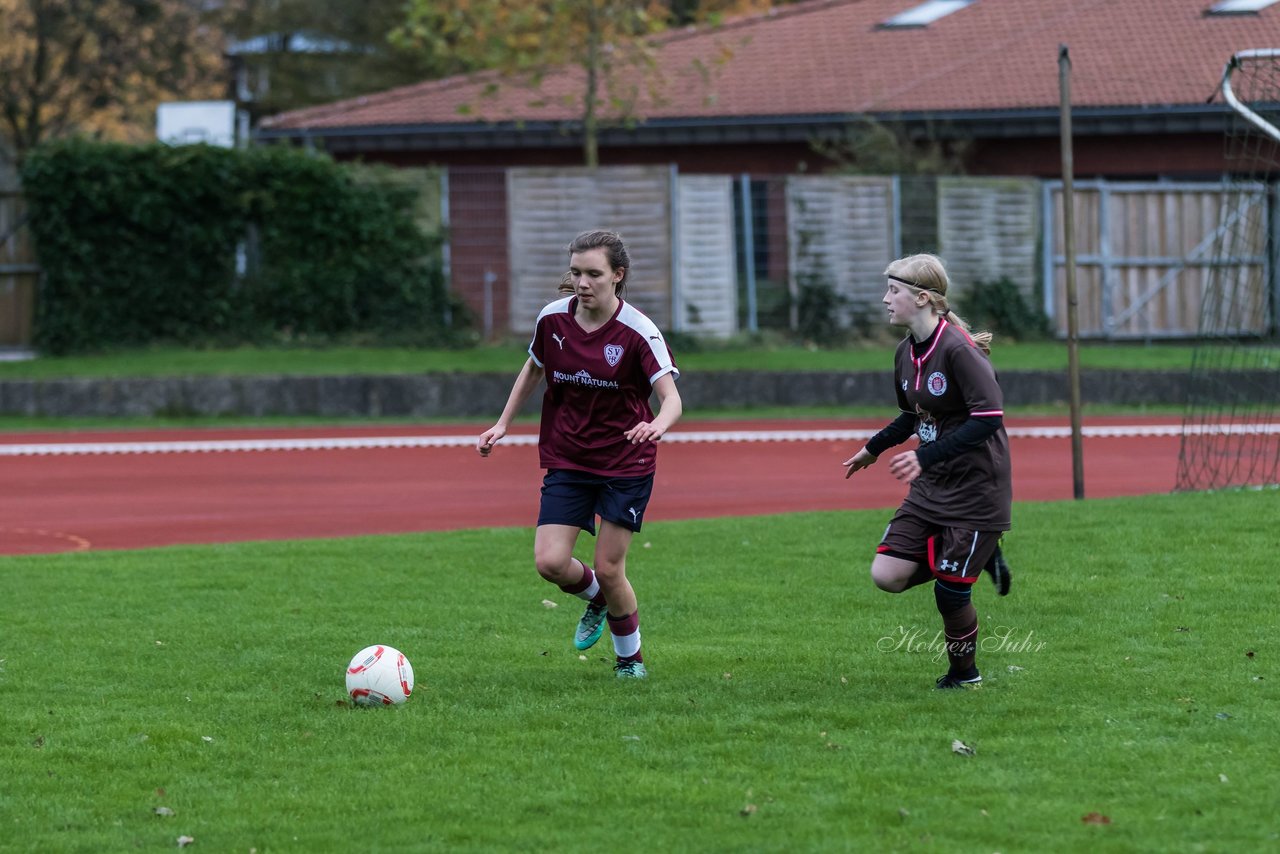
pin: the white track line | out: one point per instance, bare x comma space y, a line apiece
701, 436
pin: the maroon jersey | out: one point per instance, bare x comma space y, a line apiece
598, 387
943, 381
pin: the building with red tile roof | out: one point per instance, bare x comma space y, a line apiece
1143, 81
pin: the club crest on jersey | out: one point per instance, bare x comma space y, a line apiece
937, 384
613, 354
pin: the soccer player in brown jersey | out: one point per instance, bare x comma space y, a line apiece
601, 359
948, 528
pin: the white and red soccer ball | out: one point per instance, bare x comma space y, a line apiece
379, 676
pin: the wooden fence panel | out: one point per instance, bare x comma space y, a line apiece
549, 206
1148, 254
706, 268
988, 229
840, 231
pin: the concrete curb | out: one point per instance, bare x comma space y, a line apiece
483, 395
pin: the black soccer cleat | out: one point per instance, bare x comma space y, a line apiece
971, 680
1001, 576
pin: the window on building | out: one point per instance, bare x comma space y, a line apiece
926, 13
1239, 7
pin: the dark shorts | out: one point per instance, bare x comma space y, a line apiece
953, 554
576, 497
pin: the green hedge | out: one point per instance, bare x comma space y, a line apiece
1000, 307
139, 245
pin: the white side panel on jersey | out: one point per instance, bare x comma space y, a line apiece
652, 335
560, 306
706, 302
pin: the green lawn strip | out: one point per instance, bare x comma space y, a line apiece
507, 358
19, 423
783, 711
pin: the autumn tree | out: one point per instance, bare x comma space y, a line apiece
682, 13
100, 67
297, 53
611, 41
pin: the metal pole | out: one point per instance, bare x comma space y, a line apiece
446, 247
677, 282
749, 251
489, 278
1069, 253
1271, 269
1229, 94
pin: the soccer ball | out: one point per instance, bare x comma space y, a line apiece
379, 676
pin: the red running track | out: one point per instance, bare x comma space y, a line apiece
67, 502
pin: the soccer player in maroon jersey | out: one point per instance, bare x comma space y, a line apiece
602, 359
949, 526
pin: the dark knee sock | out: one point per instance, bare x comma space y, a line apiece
959, 625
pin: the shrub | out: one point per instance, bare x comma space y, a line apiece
1001, 308
139, 244
819, 309
136, 243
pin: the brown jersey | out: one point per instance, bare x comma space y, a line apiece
944, 381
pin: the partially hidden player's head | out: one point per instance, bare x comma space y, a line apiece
615, 253
926, 274
566, 285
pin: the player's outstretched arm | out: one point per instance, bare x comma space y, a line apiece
670, 408
526, 381
858, 461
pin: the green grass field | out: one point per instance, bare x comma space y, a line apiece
342, 360
1130, 699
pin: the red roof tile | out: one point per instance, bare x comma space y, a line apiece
831, 57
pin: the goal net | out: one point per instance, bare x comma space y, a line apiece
1231, 425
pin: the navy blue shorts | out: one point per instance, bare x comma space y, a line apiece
575, 498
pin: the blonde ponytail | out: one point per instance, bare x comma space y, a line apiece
982, 339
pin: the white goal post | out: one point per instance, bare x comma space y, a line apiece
1231, 424
1233, 64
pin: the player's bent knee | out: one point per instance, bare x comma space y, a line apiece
610, 571
553, 567
893, 574
887, 581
